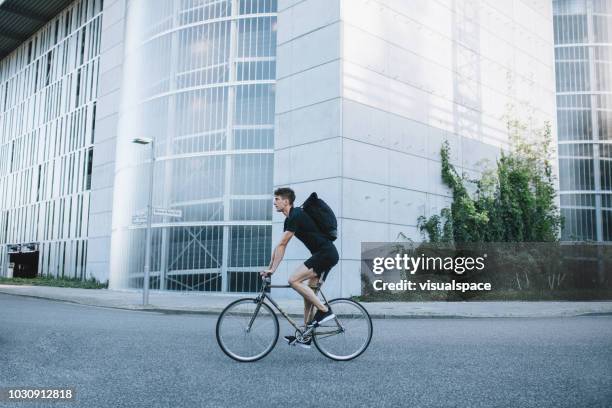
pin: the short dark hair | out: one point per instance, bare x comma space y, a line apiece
285, 192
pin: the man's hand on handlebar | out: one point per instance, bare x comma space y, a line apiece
266, 272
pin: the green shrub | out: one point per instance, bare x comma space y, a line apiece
90, 283
515, 202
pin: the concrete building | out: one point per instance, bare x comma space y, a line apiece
49, 90
583, 59
349, 98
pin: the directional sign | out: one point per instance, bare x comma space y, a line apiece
167, 212
138, 219
140, 213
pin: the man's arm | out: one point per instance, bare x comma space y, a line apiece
279, 252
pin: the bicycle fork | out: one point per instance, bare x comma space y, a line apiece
248, 329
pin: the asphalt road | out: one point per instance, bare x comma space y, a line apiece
116, 358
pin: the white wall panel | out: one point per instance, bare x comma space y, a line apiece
307, 16
312, 49
309, 124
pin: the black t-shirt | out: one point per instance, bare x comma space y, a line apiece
305, 230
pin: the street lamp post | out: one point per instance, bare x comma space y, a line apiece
147, 265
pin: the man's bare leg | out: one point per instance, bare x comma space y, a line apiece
312, 283
300, 275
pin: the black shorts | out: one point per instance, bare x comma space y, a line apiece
323, 260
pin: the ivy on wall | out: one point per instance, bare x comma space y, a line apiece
513, 202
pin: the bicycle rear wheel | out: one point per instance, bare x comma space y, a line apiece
346, 336
240, 342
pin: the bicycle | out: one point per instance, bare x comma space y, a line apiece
247, 329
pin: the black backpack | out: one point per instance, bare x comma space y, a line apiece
322, 215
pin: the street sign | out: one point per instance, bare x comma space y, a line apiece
140, 216
139, 219
167, 212
140, 213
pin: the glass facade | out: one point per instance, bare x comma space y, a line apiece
583, 64
199, 80
48, 91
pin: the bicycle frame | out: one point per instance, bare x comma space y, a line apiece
263, 295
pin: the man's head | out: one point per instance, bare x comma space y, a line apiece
283, 198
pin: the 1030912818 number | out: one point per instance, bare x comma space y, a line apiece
38, 393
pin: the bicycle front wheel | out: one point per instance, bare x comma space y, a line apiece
247, 330
346, 336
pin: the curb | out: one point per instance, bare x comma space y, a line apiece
377, 316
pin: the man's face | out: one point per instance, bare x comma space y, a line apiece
280, 203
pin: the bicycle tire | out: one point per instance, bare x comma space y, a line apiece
224, 316
318, 333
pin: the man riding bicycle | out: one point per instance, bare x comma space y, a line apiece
323, 257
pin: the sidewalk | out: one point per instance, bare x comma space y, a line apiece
207, 303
